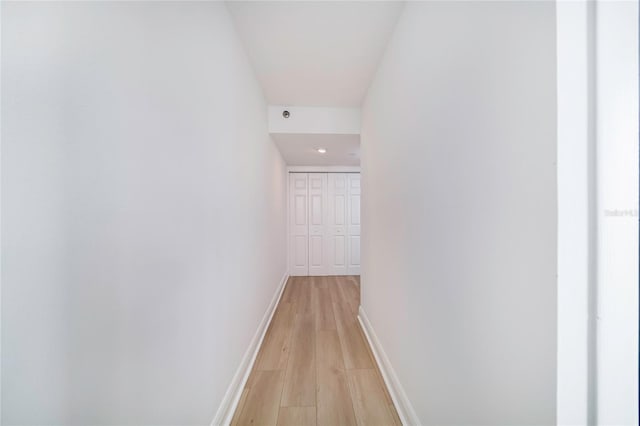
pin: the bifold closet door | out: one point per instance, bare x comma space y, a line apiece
318, 223
337, 224
353, 224
298, 224
324, 224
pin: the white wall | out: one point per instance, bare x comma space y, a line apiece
143, 212
320, 120
459, 210
617, 215
576, 202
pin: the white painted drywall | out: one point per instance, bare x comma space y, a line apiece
314, 120
617, 147
143, 211
574, 26
459, 210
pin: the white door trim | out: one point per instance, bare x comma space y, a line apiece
323, 169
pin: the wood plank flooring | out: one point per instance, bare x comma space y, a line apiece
315, 366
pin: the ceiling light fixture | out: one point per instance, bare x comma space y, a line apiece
321, 150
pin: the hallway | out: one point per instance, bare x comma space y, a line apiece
315, 366
319, 212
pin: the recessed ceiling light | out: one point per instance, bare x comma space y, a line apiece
321, 150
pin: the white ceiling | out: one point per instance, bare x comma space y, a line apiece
315, 53
300, 150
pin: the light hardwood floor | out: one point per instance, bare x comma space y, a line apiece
315, 366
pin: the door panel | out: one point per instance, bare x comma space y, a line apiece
317, 213
298, 224
339, 255
337, 229
318, 259
355, 210
353, 225
339, 209
300, 251
354, 254
300, 209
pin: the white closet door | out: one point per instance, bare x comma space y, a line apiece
318, 224
337, 224
353, 224
298, 224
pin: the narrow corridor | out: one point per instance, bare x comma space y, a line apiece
315, 366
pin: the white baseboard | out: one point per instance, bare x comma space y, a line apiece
405, 410
229, 403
